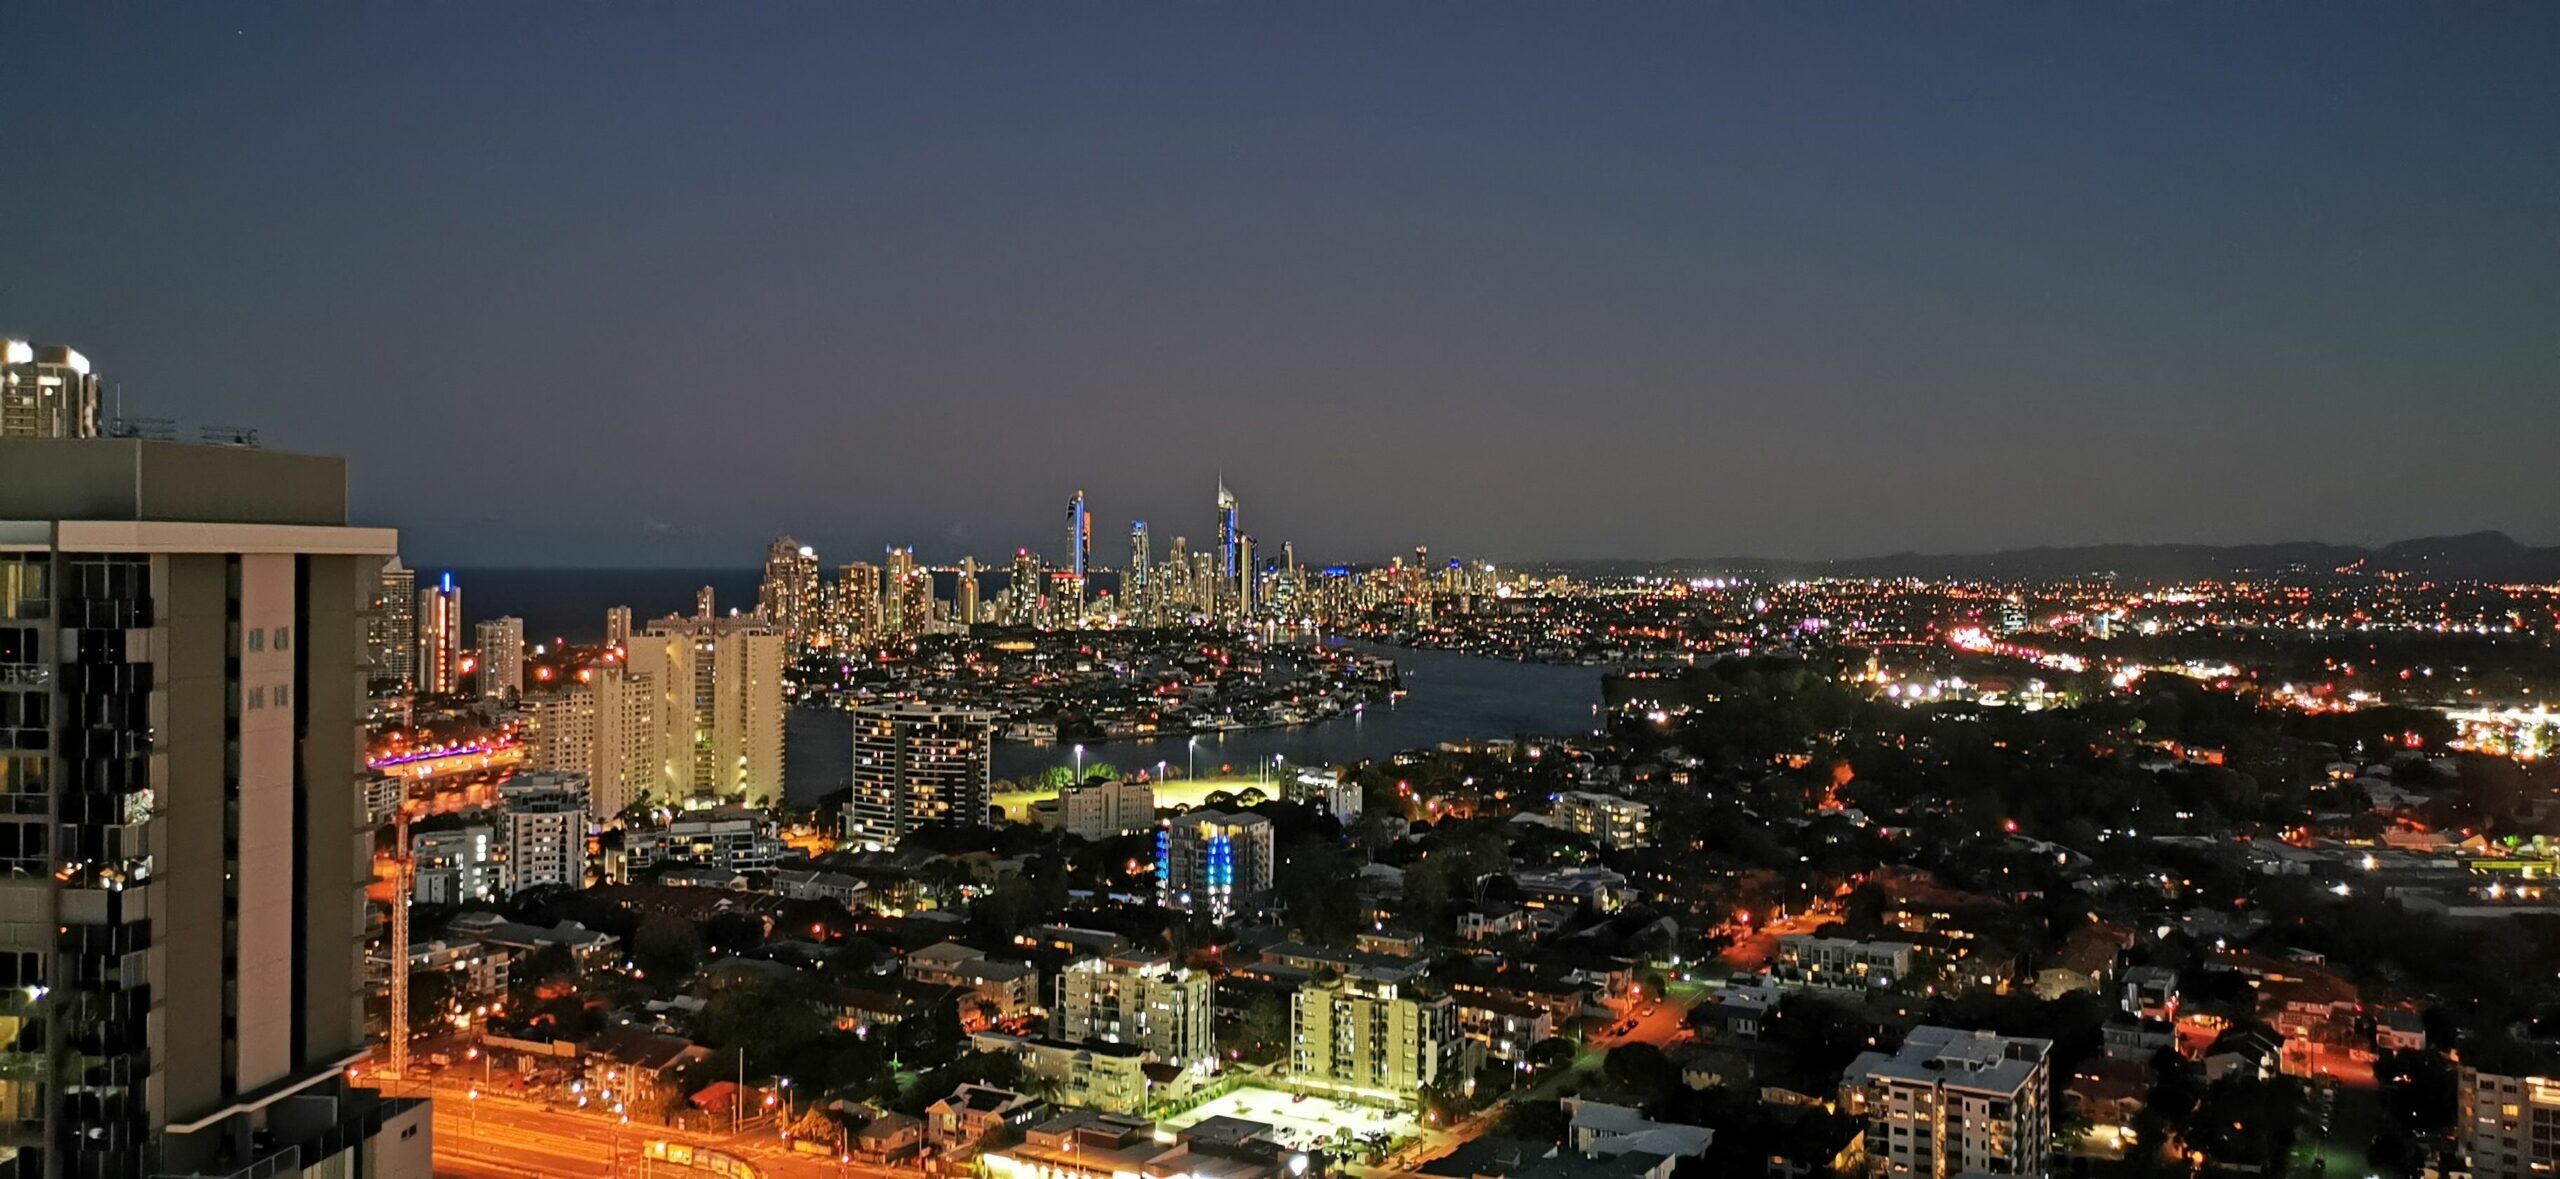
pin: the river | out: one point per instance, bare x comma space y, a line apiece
1448, 697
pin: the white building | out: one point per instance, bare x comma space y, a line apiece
1843, 962
547, 821
2509, 1123
1103, 810
1615, 823
1372, 1039
456, 866
1334, 795
604, 726
719, 707
914, 764
1952, 1102
500, 642
1140, 999
728, 840
1208, 861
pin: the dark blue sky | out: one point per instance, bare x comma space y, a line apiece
609, 284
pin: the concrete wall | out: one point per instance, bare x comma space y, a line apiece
130, 479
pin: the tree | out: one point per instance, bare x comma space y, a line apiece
1551, 1054
666, 946
1641, 1069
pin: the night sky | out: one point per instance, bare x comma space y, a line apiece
605, 284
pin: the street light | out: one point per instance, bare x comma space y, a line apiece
1079, 764
1191, 757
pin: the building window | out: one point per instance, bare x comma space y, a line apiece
284, 638
257, 699
257, 638
284, 695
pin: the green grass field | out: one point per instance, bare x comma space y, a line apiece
1180, 792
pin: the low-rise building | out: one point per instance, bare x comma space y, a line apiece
1083, 1144
1108, 809
1600, 1128
1504, 1028
456, 866
1614, 823
1843, 962
723, 840
1113, 1078
957, 1124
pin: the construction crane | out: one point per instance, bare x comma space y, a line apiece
403, 872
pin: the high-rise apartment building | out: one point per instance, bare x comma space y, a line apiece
47, 391
1211, 861
1107, 809
789, 596
1142, 999
1954, 1102
617, 627
185, 861
1135, 600
906, 597
500, 646
858, 603
719, 706
1229, 538
391, 631
1024, 591
964, 594
603, 728
1372, 1038
440, 637
546, 830
914, 764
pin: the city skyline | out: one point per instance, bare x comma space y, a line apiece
1723, 280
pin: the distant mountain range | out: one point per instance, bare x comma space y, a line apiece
2475, 556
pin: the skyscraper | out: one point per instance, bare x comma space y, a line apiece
617, 626
391, 630
46, 391
1135, 599
914, 764
858, 591
788, 597
1229, 536
906, 597
964, 606
1079, 536
1023, 589
719, 708
188, 954
440, 637
604, 727
500, 642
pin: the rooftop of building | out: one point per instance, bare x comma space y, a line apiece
1959, 1059
144, 480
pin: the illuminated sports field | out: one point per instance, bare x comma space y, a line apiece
1180, 792
1302, 1124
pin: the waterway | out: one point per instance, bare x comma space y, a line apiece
1449, 696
